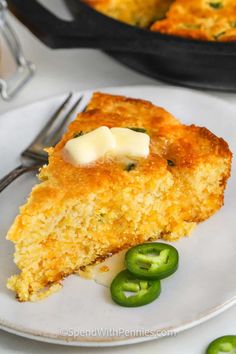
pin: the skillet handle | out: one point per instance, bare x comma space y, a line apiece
91, 30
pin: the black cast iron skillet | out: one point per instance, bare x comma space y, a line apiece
200, 64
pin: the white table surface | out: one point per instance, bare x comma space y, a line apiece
64, 70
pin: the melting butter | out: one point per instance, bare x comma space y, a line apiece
130, 142
103, 273
90, 147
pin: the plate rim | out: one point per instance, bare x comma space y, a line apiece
116, 340
92, 341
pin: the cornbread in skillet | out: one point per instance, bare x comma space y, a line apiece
78, 215
210, 20
134, 12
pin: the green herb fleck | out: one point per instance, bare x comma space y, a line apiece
76, 135
138, 23
216, 5
217, 36
139, 130
130, 167
191, 26
101, 217
233, 24
170, 163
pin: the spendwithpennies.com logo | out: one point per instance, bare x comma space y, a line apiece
112, 332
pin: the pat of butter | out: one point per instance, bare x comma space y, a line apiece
130, 142
89, 147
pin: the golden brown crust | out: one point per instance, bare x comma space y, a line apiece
210, 20
185, 145
135, 111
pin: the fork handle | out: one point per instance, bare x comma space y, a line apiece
11, 176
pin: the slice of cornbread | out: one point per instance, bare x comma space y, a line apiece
78, 215
134, 12
211, 20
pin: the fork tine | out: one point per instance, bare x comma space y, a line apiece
48, 128
59, 131
85, 108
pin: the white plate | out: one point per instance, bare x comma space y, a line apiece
204, 285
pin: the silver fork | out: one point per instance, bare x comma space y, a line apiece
34, 156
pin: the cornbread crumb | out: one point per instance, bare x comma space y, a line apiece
104, 269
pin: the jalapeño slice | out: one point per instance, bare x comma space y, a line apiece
129, 291
152, 260
225, 344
